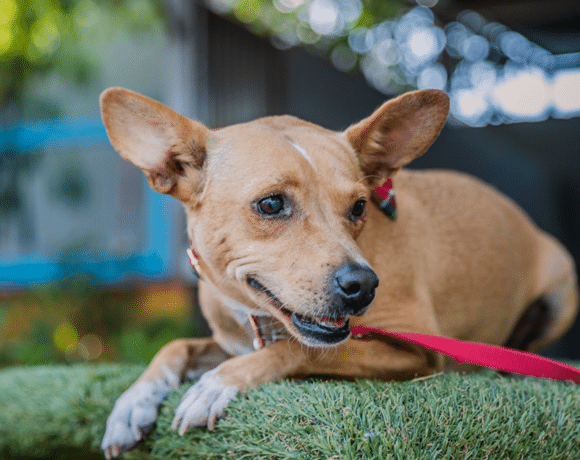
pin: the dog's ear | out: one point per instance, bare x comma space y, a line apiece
168, 147
399, 131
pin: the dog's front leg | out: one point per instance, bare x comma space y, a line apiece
207, 400
135, 411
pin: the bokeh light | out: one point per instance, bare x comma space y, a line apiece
287, 6
343, 58
492, 74
360, 40
422, 42
433, 77
45, 35
524, 95
324, 17
566, 92
90, 347
469, 105
66, 337
475, 48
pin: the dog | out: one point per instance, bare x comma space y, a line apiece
290, 249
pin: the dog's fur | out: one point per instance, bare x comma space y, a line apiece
460, 261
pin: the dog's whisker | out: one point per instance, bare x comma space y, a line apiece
368, 177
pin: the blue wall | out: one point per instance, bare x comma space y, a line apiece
152, 261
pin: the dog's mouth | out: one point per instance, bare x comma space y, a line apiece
314, 331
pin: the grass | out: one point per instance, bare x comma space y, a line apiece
60, 412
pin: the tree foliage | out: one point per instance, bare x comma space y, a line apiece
38, 36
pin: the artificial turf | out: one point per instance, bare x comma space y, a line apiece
59, 412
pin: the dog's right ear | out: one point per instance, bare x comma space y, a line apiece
398, 132
168, 147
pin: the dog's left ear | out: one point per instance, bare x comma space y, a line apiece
399, 131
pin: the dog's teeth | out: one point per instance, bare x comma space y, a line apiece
326, 322
329, 322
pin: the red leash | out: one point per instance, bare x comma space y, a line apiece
481, 354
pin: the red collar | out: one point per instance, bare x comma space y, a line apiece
384, 198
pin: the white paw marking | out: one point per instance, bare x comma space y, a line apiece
204, 403
133, 416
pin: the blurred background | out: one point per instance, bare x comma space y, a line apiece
92, 263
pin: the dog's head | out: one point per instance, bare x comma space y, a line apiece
274, 206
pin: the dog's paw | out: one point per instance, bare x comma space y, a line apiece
133, 416
204, 402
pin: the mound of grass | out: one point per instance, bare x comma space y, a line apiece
60, 412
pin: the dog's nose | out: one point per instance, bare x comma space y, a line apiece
355, 285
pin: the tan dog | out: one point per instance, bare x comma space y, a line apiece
279, 218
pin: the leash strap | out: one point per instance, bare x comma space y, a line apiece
492, 356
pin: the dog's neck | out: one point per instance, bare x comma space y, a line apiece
259, 324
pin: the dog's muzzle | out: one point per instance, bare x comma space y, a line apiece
351, 288
321, 331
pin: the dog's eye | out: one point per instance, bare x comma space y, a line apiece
358, 210
272, 205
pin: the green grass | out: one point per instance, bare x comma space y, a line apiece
60, 412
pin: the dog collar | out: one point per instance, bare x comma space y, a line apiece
384, 198
264, 327
265, 330
194, 261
